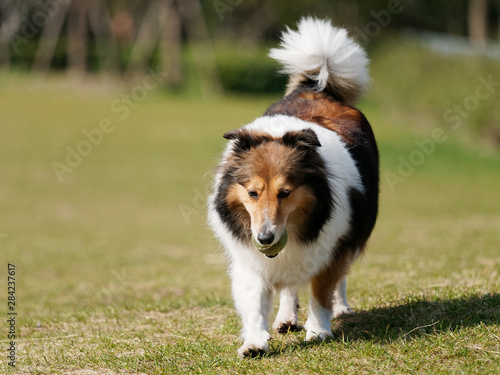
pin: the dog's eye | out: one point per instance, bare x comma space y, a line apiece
284, 194
253, 194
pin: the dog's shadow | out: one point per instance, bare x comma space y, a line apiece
409, 318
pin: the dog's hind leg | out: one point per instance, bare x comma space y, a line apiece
340, 306
287, 318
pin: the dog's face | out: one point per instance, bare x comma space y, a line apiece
270, 182
270, 201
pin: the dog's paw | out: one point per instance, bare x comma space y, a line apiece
318, 335
288, 326
339, 310
252, 350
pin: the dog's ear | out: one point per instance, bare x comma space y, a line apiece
233, 134
245, 140
306, 138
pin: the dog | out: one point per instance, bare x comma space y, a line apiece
302, 181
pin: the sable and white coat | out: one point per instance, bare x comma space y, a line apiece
313, 163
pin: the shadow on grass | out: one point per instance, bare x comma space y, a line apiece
412, 318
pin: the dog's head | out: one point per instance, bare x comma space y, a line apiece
275, 182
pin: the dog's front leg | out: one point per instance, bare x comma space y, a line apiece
287, 318
253, 300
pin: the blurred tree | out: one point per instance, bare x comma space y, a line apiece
161, 29
477, 22
147, 37
10, 22
49, 38
126, 36
77, 37
114, 33
170, 47
200, 44
106, 45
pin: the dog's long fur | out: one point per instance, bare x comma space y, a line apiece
308, 166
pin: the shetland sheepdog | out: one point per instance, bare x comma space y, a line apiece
305, 174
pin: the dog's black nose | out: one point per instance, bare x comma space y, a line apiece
266, 238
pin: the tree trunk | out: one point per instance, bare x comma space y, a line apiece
499, 30
77, 37
170, 47
4, 52
200, 45
10, 21
258, 23
107, 48
477, 19
48, 39
147, 38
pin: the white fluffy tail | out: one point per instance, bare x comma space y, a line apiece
326, 55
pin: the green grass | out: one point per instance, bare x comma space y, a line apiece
426, 85
112, 279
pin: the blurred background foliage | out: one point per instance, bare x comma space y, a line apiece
427, 55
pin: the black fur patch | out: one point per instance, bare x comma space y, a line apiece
245, 140
301, 139
233, 217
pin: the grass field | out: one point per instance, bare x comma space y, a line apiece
117, 272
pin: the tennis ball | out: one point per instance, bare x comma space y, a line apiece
271, 251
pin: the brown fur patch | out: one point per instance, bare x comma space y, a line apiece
303, 201
332, 115
323, 284
324, 110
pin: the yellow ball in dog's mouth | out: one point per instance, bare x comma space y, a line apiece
271, 251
